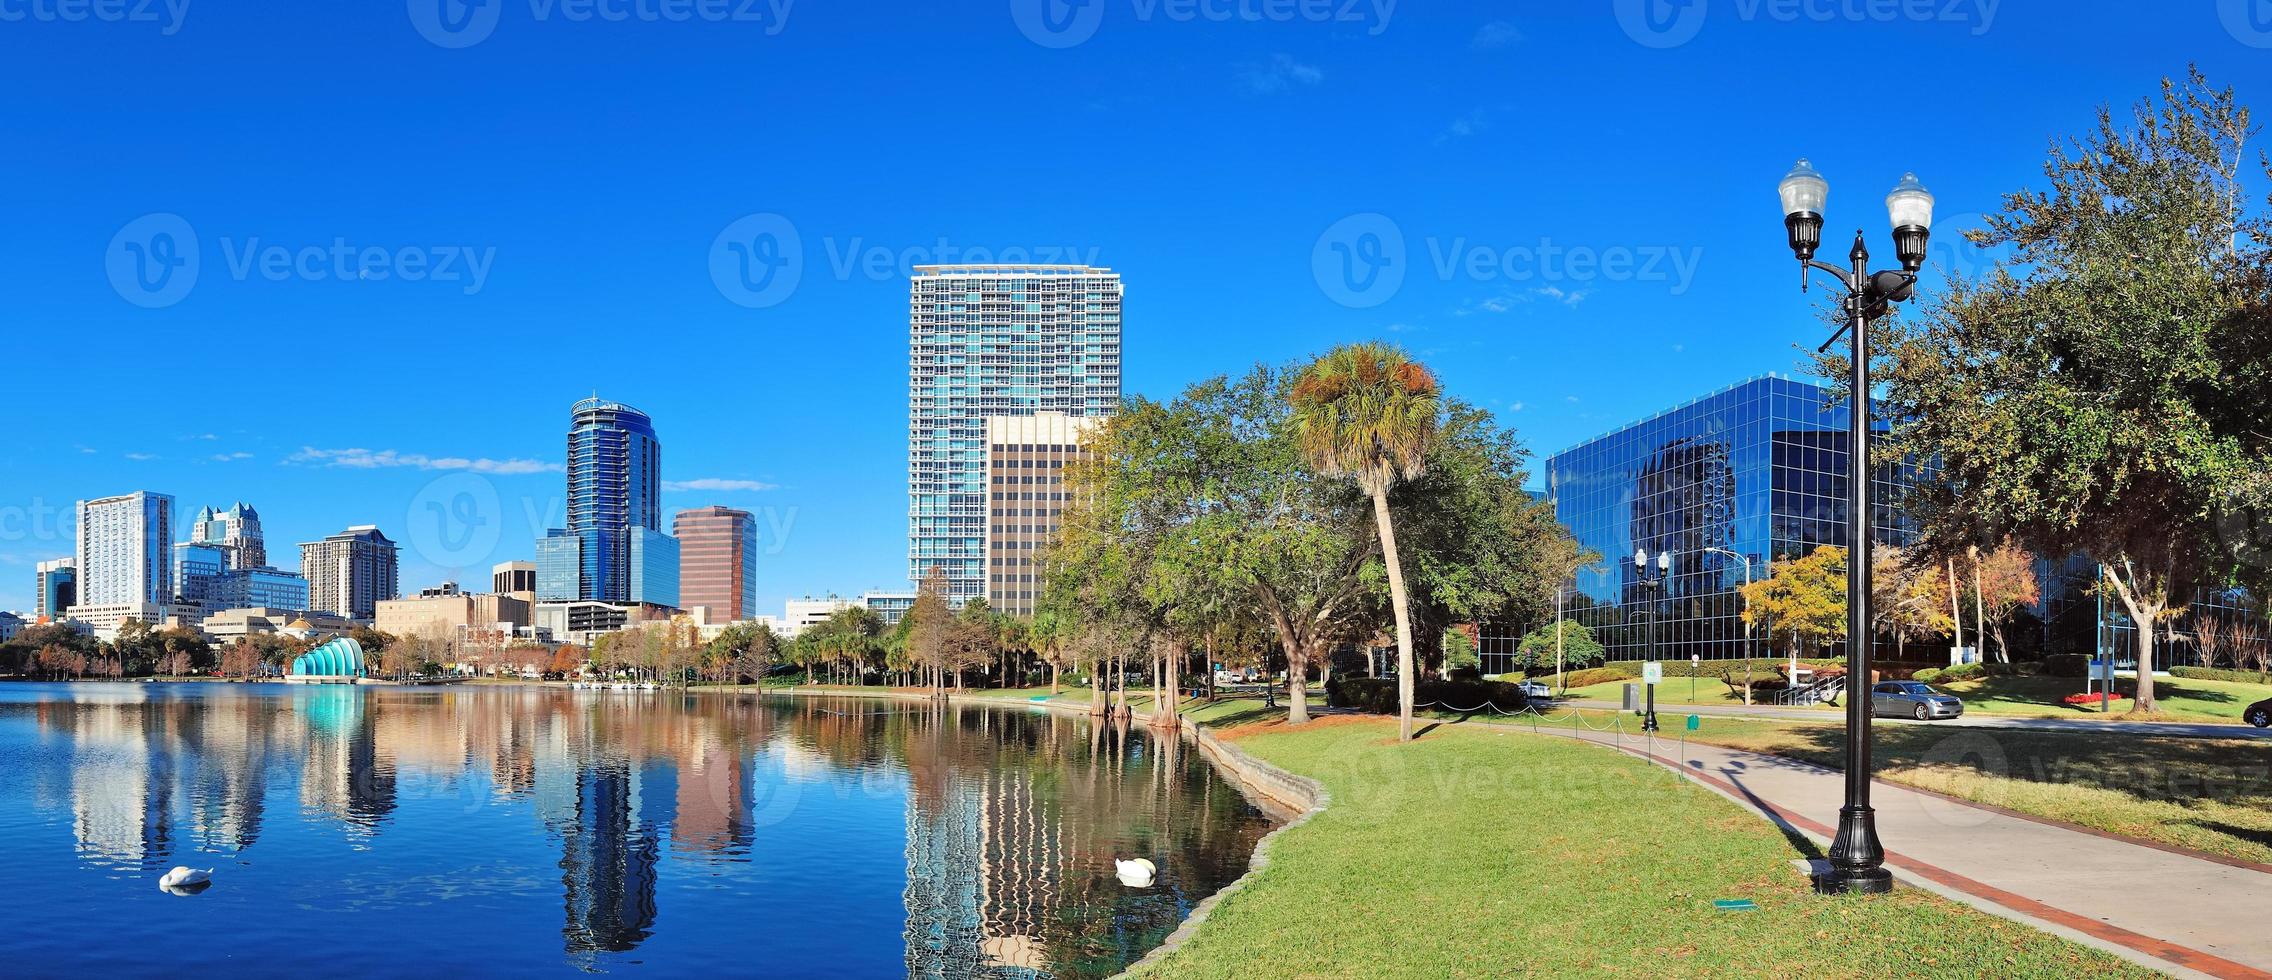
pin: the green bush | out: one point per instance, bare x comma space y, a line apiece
1377, 695
2218, 674
2069, 665
1623, 671
1960, 672
1930, 675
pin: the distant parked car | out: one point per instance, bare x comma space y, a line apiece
2259, 714
1534, 689
1914, 700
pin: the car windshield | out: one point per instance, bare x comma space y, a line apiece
1912, 687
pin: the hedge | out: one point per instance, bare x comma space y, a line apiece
2070, 665
1377, 695
2219, 674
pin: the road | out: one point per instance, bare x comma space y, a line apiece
2167, 729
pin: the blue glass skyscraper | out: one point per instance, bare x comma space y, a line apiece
615, 468
993, 340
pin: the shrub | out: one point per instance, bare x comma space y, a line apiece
1623, 671
1930, 675
1960, 672
2218, 674
2069, 665
1377, 695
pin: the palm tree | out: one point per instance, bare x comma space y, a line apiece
1368, 412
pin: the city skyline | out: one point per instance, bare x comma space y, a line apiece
1228, 252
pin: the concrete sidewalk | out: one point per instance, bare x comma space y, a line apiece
2173, 911
2170, 729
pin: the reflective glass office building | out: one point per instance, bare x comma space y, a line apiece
1754, 473
615, 465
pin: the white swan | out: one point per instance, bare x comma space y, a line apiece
185, 877
1136, 873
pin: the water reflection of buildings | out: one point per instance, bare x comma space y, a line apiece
607, 862
1010, 821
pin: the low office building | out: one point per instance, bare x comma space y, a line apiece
1728, 484
230, 625
513, 576
582, 621
58, 584
448, 615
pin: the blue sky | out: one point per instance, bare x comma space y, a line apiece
528, 212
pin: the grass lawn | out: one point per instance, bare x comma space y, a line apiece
2211, 795
2181, 698
1482, 854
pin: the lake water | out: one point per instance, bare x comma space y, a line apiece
537, 831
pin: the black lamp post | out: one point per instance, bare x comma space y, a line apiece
1656, 587
1857, 859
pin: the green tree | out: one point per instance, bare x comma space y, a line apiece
1459, 651
1368, 413
1538, 653
1802, 598
2105, 389
928, 622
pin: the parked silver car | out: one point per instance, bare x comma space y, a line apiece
1536, 690
1914, 700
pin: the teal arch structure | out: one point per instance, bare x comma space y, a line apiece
341, 657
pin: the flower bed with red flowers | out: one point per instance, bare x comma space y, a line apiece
2094, 699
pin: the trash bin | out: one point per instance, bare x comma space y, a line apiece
1633, 698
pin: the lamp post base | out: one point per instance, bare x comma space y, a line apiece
1857, 860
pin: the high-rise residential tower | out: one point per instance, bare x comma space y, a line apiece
124, 560
993, 340
1025, 500
615, 467
235, 530
349, 572
717, 562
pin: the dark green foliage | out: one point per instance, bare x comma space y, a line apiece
1377, 695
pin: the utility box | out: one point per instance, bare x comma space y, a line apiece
1633, 698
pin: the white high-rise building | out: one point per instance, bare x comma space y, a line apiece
124, 560
993, 340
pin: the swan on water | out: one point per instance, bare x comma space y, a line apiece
186, 878
1137, 873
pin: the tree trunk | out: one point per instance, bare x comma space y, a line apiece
2145, 603
1053, 672
1165, 714
1398, 601
1980, 615
1096, 687
1297, 690
1956, 610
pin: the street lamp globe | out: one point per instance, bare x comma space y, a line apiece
1640, 559
1804, 194
1911, 208
1664, 562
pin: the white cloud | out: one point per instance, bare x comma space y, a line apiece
1496, 34
230, 457
1556, 293
365, 459
1282, 73
1516, 407
713, 483
141, 457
